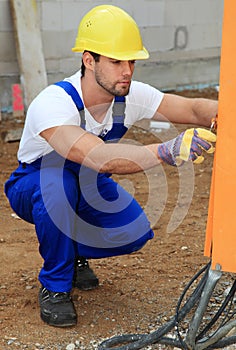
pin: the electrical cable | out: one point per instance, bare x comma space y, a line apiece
177, 318
138, 341
229, 298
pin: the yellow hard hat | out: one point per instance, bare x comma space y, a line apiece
111, 32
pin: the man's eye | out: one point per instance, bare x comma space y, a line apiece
132, 61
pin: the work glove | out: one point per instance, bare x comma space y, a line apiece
187, 146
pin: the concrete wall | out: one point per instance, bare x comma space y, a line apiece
182, 36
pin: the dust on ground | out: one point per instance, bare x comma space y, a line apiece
137, 292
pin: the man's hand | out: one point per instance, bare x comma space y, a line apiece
187, 146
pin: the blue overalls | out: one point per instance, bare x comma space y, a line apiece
75, 210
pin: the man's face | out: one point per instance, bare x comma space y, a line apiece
113, 75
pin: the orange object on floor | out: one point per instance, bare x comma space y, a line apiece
220, 242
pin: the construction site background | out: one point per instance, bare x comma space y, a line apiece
182, 36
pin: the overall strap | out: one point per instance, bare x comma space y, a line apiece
71, 90
118, 111
118, 129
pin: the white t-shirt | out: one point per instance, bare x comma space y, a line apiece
54, 107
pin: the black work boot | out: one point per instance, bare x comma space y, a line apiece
57, 309
84, 277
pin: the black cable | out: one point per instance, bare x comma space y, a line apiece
177, 314
222, 343
228, 298
138, 341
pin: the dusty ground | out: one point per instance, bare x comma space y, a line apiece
137, 292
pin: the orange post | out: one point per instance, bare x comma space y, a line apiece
220, 242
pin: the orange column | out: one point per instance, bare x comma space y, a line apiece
220, 242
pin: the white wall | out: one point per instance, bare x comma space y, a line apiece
182, 36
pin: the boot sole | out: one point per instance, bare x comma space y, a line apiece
66, 323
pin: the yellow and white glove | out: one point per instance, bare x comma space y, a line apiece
187, 146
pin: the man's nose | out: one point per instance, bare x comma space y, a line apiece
126, 68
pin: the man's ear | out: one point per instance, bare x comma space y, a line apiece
88, 60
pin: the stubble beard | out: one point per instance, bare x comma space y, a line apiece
111, 89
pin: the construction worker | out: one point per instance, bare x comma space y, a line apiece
69, 149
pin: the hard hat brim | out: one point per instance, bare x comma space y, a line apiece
123, 56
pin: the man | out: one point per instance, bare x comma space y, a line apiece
68, 151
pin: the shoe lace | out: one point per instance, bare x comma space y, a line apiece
82, 262
55, 295
61, 296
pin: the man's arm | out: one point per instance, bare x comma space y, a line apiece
178, 109
73, 143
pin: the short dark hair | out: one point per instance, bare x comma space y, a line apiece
96, 57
